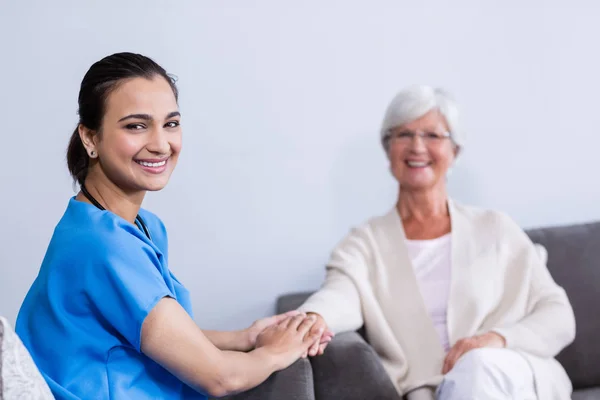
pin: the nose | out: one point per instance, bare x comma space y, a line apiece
158, 142
417, 144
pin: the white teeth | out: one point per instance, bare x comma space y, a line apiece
417, 164
152, 164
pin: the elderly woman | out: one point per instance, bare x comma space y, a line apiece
456, 300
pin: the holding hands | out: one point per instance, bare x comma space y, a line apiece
289, 336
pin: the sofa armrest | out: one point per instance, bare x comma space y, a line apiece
350, 369
293, 383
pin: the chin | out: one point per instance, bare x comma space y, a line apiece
416, 186
155, 187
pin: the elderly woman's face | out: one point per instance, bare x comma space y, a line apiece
420, 152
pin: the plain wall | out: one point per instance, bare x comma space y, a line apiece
281, 105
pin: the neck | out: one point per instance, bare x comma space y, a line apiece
111, 197
421, 205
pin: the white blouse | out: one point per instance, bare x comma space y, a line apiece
431, 260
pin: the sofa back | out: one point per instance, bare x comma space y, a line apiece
574, 262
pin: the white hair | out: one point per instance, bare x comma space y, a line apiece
414, 102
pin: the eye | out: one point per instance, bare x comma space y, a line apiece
172, 124
433, 136
135, 127
404, 135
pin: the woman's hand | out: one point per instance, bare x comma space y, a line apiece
251, 333
289, 340
318, 347
490, 339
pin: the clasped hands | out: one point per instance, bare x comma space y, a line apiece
318, 328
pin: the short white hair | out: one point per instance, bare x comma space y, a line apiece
414, 102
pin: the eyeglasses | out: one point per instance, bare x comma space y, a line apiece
406, 137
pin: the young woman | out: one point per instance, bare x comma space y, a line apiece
105, 317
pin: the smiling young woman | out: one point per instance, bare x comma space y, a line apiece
105, 317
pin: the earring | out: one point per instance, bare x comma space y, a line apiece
93, 154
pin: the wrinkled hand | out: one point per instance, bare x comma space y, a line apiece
325, 337
490, 339
260, 325
288, 340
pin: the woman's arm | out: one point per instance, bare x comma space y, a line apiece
550, 324
232, 341
338, 300
244, 340
172, 339
337, 304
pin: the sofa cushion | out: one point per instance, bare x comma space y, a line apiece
574, 262
586, 394
351, 370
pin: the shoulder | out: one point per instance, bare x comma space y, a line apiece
486, 217
158, 231
154, 223
151, 219
89, 236
365, 238
497, 226
381, 221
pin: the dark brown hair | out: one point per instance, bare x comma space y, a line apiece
101, 79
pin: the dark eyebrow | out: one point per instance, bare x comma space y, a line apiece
147, 117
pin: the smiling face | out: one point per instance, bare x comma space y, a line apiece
421, 162
140, 137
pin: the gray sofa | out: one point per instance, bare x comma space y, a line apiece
350, 369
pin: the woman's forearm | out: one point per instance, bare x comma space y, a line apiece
242, 371
232, 341
172, 339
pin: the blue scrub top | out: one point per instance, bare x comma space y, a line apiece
82, 318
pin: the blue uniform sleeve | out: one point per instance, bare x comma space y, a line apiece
125, 282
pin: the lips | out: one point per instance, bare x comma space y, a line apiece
151, 164
154, 166
418, 164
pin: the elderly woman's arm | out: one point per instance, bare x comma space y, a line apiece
550, 325
338, 300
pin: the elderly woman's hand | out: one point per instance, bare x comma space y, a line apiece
319, 346
490, 339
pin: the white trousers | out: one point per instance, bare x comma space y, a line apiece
489, 374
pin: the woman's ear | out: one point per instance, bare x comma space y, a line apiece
88, 138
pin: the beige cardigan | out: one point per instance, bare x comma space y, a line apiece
499, 282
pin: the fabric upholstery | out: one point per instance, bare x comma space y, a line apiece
291, 301
587, 394
351, 370
293, 383
574, 262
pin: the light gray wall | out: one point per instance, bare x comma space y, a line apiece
282, 102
